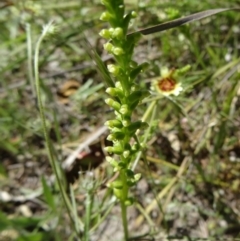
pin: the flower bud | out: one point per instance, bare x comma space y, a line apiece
114, 123
117, 149
133, 14
108, 47
137, 177
118, 85
114, 104
125, 122
129, 202
113, 69
115, 92
105, 16
181, 71
117, 114
133, 88
110, 137
113, 162
117, 33
117, 184
118, 192
111, 31
118, 135
165, 72
117, 51
124, 109
126, 154
105, 33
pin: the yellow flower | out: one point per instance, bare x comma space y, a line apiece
167, 83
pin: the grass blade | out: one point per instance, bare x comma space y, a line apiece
98, 61
182, 21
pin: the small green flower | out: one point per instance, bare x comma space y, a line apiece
114, 123
112, 103
124, 110
112, 161
108, 47
126, 153
105, 33
117, 51
113, 69
126, 122
134, 14
117, 149
116, 92
105, 16
117, 33
118, 85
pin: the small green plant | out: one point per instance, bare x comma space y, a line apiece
125, 96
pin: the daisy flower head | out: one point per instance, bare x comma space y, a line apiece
167, 84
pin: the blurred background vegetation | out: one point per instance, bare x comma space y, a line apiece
193, 166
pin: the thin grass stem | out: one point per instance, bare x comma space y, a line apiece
44, 126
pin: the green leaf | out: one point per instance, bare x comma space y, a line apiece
3, 172
4, 222
18, 222
35, 237
182, 21
134, 73
25, 222
98, 61
49, 198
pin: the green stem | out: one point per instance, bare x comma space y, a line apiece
124, 220
29, 54
89, 202
151, 109
45, 131
123, 204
